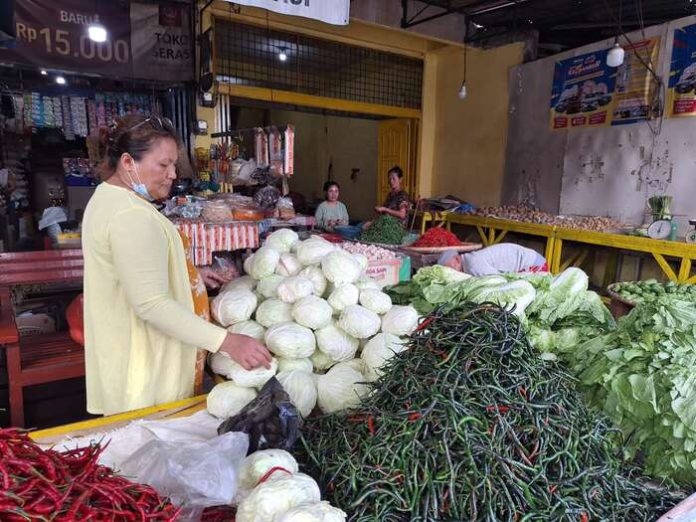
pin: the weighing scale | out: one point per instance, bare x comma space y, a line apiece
660, 229
691, 236
663, 225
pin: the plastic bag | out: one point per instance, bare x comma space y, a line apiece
271, 420
195, 475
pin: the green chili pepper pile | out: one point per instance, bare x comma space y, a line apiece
385, 229
471, 424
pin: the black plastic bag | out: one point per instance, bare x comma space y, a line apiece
270, 420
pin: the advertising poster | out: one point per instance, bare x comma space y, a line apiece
635, 85
588, 93
582, 92
682, 73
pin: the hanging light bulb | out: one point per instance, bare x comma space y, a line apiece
616, 55
283, 55
60, 80
97, 32
462, 91
44, 72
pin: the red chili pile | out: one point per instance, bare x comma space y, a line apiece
38, 484
437, 237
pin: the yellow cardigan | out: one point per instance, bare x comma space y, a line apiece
141, 332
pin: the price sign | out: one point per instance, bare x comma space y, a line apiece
54, 35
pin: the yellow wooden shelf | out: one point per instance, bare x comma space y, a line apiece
493, 230
171, 410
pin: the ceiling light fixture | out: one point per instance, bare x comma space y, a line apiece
283, 55
616, 55
60, 80
97, 32
44, 72
462, 90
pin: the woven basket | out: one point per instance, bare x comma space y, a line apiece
618, 305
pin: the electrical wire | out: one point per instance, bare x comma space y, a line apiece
657, 101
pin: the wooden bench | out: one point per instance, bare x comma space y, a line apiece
42, 358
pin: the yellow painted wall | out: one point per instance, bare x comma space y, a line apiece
470, 135
461, 149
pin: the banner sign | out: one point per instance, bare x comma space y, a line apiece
682, 73
330, 11
587, 92
147, 41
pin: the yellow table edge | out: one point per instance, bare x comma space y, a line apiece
105, 422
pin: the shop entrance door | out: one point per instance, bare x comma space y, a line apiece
396, 138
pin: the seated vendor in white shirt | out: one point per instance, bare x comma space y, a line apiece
505, 258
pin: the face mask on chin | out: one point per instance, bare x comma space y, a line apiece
139, 187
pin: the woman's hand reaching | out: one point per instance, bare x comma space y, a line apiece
213, 279
246, 351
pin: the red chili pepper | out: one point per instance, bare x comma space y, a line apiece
371, 425
425, 323
552, 489
495, 407
523, 392
437, 237
584, 517
414, 416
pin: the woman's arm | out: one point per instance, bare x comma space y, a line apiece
344, 219
319, 217
399, 214
140, 252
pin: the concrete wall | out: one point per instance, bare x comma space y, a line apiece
605, 171
470, 134
345, 143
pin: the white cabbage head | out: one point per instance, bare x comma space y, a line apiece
340, 389
288, 265
336, 343
241, 282
268, 286
318, 512
400, 320
289, 365
301, 389
227, 399
341, 268
312, 251
272, 312
343, 296
256, 465
221, 364
264, 263
282, 240
278, 495
321, 361
316, 276
294, 288
376, 301
234, 306
380, 349
359, 322
250, 328
312, 312
290, 340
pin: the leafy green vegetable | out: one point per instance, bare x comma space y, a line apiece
386, 230
642, 376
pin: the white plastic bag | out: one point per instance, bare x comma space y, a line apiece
194, 475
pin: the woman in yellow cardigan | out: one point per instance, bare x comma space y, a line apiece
141, 332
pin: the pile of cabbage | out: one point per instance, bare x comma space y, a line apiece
328, 325
273, 490
558, 312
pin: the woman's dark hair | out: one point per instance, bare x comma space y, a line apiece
330, 184
396, 170
134, 134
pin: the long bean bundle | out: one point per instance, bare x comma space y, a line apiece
470, 424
